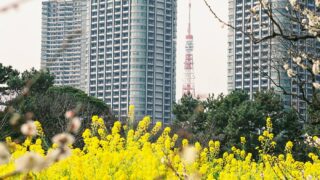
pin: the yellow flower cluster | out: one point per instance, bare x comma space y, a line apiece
39, 128
131, 115
130, 154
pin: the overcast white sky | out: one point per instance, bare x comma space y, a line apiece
20, 42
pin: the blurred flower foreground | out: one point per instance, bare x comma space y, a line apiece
145, 153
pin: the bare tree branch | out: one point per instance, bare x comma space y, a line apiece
13, 5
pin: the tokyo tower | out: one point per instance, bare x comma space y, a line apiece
188, 86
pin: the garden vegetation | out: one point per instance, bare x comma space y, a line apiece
125, 153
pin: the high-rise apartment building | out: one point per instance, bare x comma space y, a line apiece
245, 59
64, 41
132, 56
257, 67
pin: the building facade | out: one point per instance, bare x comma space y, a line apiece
132, 56
64, 41
245, 59
258, 67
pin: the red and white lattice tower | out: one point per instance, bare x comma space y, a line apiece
188, 86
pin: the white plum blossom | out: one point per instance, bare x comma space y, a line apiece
316, 67
303, 66
69, 114
63, 139
14, 119
4, 154
255, 9
313, 22
308, 140
265, 2
291, 73
29, 162
316, 85
286, 66
58, 154
312, 141
297, 59
189, 154
29, 129
304, 21
74, 125
25, 90
304, 55
293, 2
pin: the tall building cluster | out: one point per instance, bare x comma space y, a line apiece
124, 52
120, 51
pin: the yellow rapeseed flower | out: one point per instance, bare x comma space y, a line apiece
136, 154
289, 146
242, 140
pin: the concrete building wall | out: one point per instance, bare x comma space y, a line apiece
132, 56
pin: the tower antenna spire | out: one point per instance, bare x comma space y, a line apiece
188, 86
189, 24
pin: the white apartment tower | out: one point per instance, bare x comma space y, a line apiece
64, 41
132, 56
